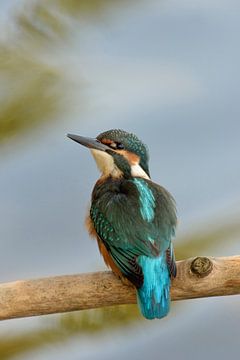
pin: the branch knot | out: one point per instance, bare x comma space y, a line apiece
201, 266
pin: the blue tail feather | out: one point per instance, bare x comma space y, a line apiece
154, 295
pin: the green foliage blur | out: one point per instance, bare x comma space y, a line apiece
31, 84
66, 326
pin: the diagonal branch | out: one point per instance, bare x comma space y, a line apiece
196, 278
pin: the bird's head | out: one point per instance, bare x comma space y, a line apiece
117, 153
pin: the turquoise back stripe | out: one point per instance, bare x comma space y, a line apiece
146, 198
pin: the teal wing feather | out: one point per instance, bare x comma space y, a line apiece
122, 254
133, 218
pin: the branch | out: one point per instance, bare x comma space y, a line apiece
196, 278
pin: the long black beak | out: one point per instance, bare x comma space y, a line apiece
88, 142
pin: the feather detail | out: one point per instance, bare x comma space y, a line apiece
123, 264
146, 199
107, 258
90, 227
171, 261
154, 295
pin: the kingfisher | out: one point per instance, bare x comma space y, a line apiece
132, 218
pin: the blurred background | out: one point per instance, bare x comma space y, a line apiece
165, 70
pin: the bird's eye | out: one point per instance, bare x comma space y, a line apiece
117, 145
120, 146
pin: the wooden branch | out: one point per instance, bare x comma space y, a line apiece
198, 277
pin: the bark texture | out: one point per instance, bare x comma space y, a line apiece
196, 278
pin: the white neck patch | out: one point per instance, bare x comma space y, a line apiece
106, 163
137, 170
107, 166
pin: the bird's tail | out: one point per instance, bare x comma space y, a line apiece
154, 295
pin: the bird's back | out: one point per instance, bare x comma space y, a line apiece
134, 220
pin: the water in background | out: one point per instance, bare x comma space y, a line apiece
169, 73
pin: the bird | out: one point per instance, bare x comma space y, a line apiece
133, 219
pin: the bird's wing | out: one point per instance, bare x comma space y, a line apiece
123, 253
170, 256
131, 225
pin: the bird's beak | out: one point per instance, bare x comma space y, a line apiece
88, 142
